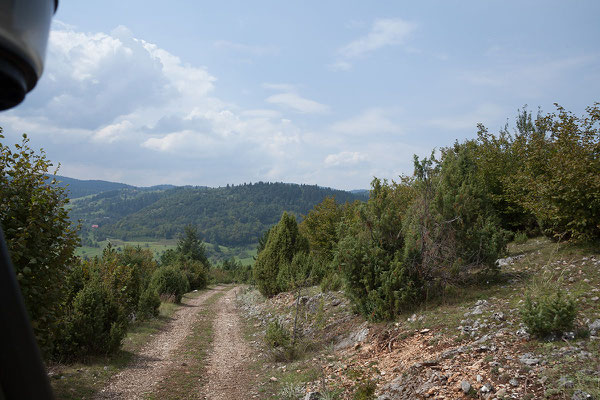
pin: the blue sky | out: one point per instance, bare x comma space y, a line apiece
329, 93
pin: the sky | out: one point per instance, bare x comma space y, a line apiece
331, 93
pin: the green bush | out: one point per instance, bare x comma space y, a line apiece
376, 282
296, 273
195, 272
283, 242
125, 273
243, 274
331, 282
558, 180
276, 335
220, 275
95, 323
549, 314
520, 237
365, 391
149, 304
170, 282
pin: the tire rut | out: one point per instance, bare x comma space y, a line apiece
227, 371
156, 358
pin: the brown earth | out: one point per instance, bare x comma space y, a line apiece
227, 371
155, 359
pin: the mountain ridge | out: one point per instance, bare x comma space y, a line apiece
234, 215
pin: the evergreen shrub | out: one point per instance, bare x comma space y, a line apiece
149, 304
276, 335
548, 314
170, 282
94, 324
283, 242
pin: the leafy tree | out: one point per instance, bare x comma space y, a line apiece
283, 243
498, 163
559, 179
39, 235
189, 257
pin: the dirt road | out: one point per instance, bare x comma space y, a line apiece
157, 357
227, 371
227, 375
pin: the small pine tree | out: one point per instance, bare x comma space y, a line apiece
283, 243
191, 246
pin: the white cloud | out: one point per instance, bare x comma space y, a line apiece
113, 132
183, 142
113, 106
261, 113
113, 101
371, 121
345, 158
186, 79
384, 32
297, 103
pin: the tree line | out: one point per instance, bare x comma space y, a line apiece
449, 221
230, 216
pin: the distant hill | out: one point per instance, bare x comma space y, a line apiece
80, 188
364, 193
231, 216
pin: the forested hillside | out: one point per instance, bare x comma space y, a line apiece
79, 188
231, 216
76, 188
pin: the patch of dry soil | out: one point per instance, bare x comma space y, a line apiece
228, 377
156, 358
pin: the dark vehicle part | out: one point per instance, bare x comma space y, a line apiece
22, 371
24, 29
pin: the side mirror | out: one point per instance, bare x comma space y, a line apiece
24, 29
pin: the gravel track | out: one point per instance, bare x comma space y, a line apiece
157, 357
227, 371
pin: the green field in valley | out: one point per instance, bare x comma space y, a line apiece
243, 254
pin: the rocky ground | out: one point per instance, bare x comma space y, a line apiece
469, 345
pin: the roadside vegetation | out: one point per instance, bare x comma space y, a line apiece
83, 378
425, 247
477, 330
448, 223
